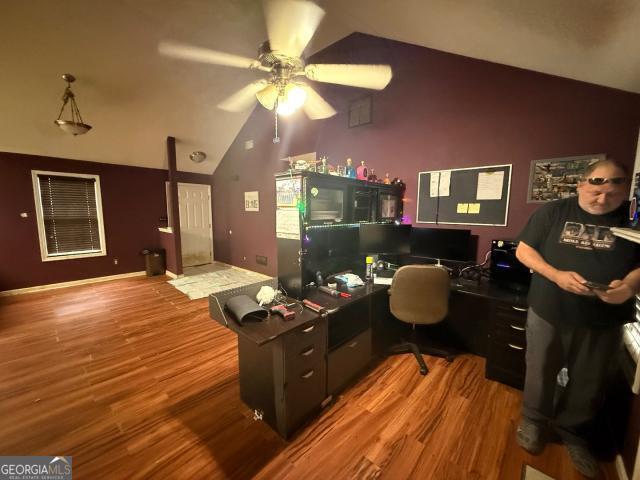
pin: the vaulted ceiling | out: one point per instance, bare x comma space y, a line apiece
134, 98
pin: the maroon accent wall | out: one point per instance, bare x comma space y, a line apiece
133, 201
440, 111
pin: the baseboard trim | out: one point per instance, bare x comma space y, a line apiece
620, 469
170, 274
51, 286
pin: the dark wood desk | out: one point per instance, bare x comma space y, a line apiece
489, 320
290, 369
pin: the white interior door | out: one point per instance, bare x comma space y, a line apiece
195, 223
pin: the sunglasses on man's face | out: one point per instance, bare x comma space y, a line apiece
602, 181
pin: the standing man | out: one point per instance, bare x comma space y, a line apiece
569, 323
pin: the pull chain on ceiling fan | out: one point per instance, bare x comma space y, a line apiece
290, 26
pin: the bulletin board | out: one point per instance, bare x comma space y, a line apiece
465, 196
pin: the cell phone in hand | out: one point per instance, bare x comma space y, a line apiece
596, 286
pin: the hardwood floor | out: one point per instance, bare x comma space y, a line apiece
136, 381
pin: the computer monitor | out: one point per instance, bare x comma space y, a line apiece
385, 238
331, 241
442, 243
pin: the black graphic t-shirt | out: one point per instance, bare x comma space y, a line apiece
568, 238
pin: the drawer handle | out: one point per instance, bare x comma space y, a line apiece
353, 344
515, 327
309, 329
309, 374
307, 352
515, 347
519, 309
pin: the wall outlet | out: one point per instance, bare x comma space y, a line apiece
244, 258
248, 145
261, 260
115, 261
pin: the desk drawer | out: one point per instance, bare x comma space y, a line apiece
506, 361
304, 393
309, 333
509, 333
510, 315
305, 350
348, 360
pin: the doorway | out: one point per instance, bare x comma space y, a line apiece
194, 202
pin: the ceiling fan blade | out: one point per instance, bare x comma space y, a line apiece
291, 24
315, 106
205, 55
243, 98
365, 76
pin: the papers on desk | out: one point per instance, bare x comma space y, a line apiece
382, 280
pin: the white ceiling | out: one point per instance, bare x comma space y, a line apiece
135, 98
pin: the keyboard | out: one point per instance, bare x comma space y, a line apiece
386, 273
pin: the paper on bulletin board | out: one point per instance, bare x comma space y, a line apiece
490, 185
288, 223
474, 208
462, 208
440, 182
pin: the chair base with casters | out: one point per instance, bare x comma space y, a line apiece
418, 350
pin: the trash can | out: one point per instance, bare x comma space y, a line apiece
154, 261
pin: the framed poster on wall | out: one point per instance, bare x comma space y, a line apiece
555, 178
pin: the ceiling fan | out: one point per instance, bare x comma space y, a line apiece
290, 26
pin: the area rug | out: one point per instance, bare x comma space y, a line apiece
201, 281
530, 473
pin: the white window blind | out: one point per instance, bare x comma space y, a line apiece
69, 215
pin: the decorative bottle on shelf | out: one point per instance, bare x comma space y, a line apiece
349, 170
372, 177
387, 180
362, 172
322, 168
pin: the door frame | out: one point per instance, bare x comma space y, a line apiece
185, 184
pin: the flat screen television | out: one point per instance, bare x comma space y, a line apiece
442, 243
385, 238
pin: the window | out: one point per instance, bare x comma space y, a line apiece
69, 211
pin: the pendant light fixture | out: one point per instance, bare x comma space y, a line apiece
74, 126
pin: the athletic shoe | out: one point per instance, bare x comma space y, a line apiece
530, 436
582, 459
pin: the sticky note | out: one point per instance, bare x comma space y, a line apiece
462, 208
474, 208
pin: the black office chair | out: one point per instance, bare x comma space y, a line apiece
419, 295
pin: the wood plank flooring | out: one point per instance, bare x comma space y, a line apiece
136, 381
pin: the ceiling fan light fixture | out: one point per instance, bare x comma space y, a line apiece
268, 96
74, 126
284, 108
291, 99
296, 95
